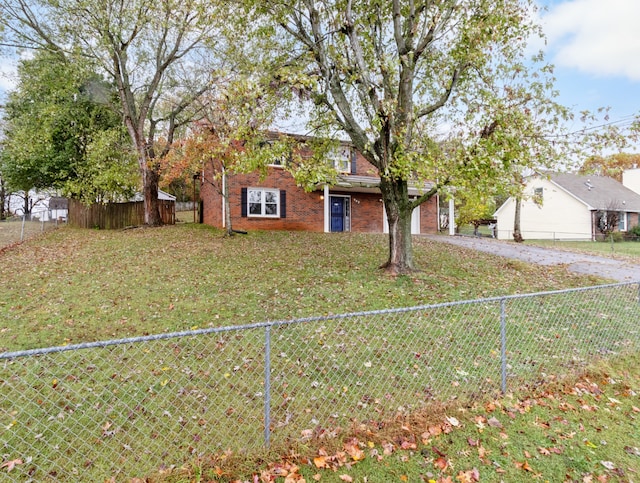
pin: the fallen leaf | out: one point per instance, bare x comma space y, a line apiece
633, 451
441, 463
608, 465
453, 421
494, 423
11, 464
320, 462
469, 476
544, 451
524, 465
346, 478
408, 445
353, 450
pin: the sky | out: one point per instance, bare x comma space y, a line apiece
595, 48
594, 45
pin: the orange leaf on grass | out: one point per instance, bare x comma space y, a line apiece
523, 465
441, 463
321, 462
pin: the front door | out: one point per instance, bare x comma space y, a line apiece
339, 213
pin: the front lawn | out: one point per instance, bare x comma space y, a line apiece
76, 285
625, 249
198, 401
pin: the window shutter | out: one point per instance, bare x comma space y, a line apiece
283, 204
353, 161
243, 202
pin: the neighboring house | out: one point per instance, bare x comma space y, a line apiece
569, 206
353, 204
43, 206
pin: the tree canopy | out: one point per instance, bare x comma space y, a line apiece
59, 121
439, 90
612, 165
155, 53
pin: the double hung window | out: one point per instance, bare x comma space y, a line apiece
263, 202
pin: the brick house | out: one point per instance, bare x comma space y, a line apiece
353, 204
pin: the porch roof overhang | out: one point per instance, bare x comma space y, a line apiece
371, 184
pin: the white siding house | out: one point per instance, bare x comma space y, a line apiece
564, 206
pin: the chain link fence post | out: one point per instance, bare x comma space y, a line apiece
503, 344
267, 385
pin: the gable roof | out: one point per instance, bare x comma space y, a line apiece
598, 192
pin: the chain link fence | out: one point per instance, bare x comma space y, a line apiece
135, 407
16, 229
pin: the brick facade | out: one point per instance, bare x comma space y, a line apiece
303, 211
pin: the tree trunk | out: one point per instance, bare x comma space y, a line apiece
150, 178
517, 234
3, 200
227, 205
398, 207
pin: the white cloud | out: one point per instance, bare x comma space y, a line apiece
595, 36
7, 74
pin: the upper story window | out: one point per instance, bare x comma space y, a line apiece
278, 158
341, 158
263, 202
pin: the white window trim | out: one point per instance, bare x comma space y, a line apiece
622, 217
339, 161
282, 160
263, 203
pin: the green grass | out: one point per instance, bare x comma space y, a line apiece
626, 249
584, 428
75, 286
12, 230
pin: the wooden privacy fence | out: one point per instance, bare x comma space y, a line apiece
113, 216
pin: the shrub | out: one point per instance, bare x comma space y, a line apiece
616, 236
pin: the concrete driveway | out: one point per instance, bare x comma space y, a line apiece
617, 270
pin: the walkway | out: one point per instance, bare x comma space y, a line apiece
618, 270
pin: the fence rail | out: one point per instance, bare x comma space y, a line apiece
132, 407
18, 228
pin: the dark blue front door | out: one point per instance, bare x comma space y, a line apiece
337, 213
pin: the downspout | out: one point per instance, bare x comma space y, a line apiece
452, 217
224, 197
327, 226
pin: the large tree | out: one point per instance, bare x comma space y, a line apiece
612, 165
154, 53
58, 122
391, 74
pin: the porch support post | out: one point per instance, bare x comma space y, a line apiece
452, 217
327, 215
224, 194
